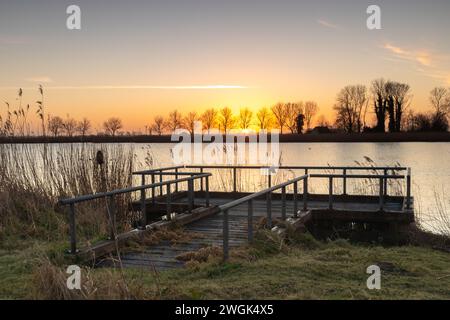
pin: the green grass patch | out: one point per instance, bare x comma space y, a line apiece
270, 269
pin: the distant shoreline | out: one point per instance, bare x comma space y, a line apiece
285, 138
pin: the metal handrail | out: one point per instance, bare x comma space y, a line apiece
111, 209
158, 169
356, 176
249, 199
99, 195
161, 173
297, 167
307, 169
239, 201
149, 173
190, 177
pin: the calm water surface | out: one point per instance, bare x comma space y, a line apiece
430, 162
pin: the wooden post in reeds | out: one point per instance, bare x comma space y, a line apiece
100, 160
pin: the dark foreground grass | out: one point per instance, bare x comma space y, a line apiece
269, 269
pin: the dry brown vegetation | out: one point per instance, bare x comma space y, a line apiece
201, 255
295, 267
49, 282
34, 177
174, 235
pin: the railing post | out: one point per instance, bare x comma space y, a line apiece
305, 193
201, 180
160, 180
73, 234
269, 179
295, 199
225, 235
408, 189
143, 205
269, 209
112, 217
385, 183
250, 221
207, 190
283, 203
191, 194
153, 188
169, 202
330, 196
234, 179
345, 182
381, 194
176, 178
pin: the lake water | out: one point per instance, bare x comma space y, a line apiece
429, 162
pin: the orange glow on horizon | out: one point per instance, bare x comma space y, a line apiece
138, 107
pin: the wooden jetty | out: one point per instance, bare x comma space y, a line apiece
225, 219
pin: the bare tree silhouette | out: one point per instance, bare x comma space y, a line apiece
84, 126
112, 125
264, 118
350, 104
280, 114
293, 110
189, 121
158, 125
209, 119
245, 118
440, 101
226, 119
70, 126
310, 111
174, 121
55, 125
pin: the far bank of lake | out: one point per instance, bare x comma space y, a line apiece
285, 138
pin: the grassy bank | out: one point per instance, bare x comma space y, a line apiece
301, 268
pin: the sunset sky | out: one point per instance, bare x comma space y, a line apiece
136, 59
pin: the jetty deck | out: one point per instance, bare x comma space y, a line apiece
226, 219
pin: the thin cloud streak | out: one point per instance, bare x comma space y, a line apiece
43, 79
327, 24
422, 57
424, 62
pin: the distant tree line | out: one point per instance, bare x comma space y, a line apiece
390, 102
283, 116
16, 121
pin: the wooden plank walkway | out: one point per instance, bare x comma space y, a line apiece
208, 230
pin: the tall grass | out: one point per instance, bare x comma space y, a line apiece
34, 177
49, 282
437, 220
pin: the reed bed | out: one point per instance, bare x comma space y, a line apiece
34, 177
437, 220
